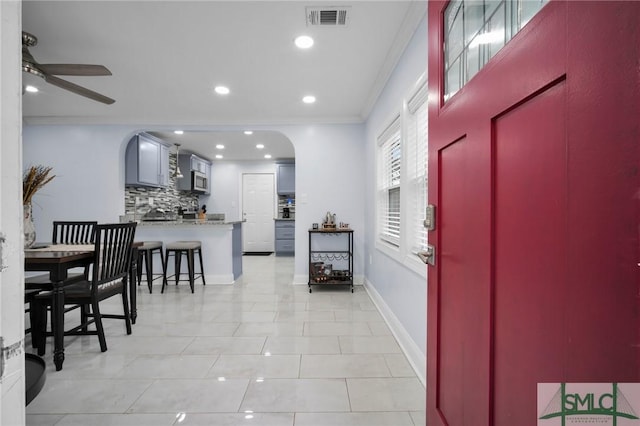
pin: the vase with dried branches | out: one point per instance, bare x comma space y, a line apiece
33, 179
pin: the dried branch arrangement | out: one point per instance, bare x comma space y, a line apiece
33, 179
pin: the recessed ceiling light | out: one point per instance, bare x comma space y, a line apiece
248, 132
303, 42
219, 146
222, 90
218, 156
31, 89
259, 146
267, 156
309, 99
178, 132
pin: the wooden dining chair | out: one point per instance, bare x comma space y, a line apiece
110, 272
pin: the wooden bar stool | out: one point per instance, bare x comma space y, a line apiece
145, 257
177, 249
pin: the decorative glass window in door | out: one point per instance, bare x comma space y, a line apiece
475, 30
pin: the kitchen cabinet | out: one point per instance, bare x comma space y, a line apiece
331, 257
206, 165
198, 164
286, 174
285, 237
192, 163
147, 162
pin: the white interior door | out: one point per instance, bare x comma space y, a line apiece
258, 207
12, 407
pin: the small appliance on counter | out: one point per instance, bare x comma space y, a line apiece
286, 207
202, 214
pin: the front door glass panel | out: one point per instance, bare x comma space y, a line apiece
474, 31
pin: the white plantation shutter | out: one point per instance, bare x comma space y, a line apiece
416, 148
390, 169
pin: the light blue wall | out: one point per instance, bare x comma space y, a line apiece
88, 162
403, 290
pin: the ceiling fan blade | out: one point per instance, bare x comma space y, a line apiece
74, 69
79, 90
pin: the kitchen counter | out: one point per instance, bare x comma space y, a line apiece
187, 222
221, 244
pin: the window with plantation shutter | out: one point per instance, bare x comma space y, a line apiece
401, 181
416, 169
389, 176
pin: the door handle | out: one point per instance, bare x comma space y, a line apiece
428, 256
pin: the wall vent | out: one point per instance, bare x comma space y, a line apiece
330, 16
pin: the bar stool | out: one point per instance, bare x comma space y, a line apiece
177, 249
145, 253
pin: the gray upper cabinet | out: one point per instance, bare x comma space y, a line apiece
286, 179
147, 162
198, 164
192, 163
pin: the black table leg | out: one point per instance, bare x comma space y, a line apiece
133, 274
57, 320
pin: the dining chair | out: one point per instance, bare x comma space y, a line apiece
65, 232
110, 272
73, 232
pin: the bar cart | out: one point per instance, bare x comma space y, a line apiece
331, 257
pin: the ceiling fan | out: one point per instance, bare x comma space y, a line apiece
49, 71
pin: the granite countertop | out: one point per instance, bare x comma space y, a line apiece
188, 222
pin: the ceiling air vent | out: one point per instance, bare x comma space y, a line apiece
332, 16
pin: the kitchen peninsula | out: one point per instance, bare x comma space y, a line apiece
221, 244
160, 197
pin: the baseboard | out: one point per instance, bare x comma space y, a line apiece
219, 279
413, 353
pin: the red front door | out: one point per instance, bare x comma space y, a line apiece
533, 168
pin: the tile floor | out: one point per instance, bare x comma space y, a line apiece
259, 352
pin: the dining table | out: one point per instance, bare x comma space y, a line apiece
57, 260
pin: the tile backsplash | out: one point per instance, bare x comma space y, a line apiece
167, 199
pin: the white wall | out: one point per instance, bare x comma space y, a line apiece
400, 292
329, 177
